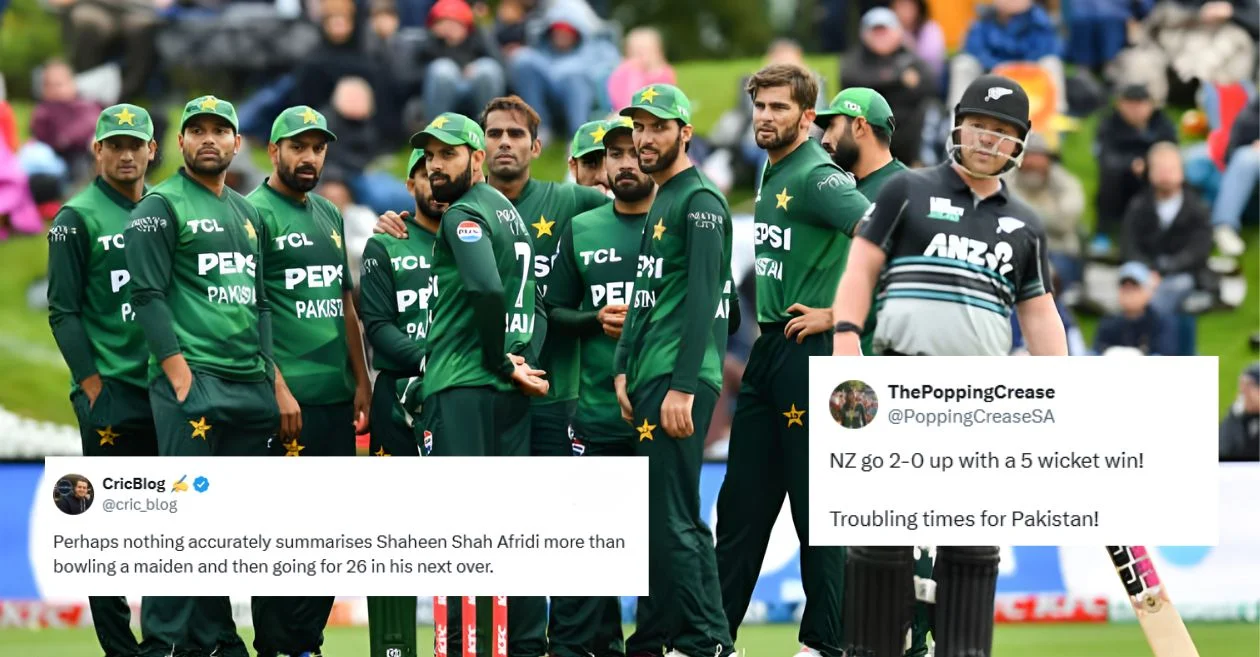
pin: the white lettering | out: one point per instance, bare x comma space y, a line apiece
111, 241
616, 293
976, 252
295, 240
599, 256
117, 279
227, 262
238, 294
319, 309
205, 226
776, 236
315, 276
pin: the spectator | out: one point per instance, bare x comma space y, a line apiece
644, 64
1139, 325
568, 68
1168, 228
510, 22
358, 143
358, 220
882, 62
923, 36
1124, 138
1240, 430
18, 211
461, 72
64, 120
1009, 31
1238, 184
1059, 198
97, 27
1099, 29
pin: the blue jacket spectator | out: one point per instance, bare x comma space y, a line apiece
1098, 29
1138, 325
1023, 37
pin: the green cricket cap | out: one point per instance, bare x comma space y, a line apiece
859, 102
588, 139
664, 101
611, 126
452, 129
124, 119
417, 156
296, 120
209, 105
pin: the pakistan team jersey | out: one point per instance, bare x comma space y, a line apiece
88, 296
546, 208
956, 267
596, 267
193, 258
677, 323
394, 298
483, 284
305, 275
806, 213
869, 187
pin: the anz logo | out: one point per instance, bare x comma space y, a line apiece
973, 251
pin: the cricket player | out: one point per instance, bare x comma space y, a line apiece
322, 385
91, 316
668, 372
954, 254
586, 156
589, 296
805, 214
857, 132
484, 329
193, 252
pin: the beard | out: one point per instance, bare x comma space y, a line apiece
507, 172
639, 190
451, 188
289, 176
664, 160
425, 207
196, 165
846, 152
778, 141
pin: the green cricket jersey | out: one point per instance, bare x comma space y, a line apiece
193, 258
678, 318
547, 208
483, 301
595, 267
395, 290
869, 187
88, 294
805, 216
305, 276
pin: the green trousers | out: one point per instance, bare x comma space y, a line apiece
768, 461
486, 422
586, 626
685, 607
392, 626
390, 434
218, 418
327, 430
549, 428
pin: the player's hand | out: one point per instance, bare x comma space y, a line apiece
627, 411
846, 344
362, 409
392, 223
528, 379
676, 414
92, 388
809, 321
290, 413
181, 382
613, 317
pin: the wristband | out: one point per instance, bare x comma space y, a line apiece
848, 327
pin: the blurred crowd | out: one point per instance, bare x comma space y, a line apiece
1171, 85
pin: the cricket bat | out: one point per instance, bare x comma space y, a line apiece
1162, 625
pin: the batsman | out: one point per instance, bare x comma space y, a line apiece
805, 214
92, 321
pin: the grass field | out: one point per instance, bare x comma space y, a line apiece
1213, 640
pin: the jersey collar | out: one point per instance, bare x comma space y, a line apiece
958, 184
787, 159
526, 191
113, 195
296, 204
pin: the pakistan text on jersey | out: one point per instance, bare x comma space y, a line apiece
318, 309
769, 268
519, 323
231, 294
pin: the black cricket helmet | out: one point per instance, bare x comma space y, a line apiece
997, 97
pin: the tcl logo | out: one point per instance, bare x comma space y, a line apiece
1050, 609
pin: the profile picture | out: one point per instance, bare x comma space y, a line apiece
853, 404
73, 494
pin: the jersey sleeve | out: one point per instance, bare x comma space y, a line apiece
833, 200
1034, 273
588, 198
347, 281
564, 293
706, 220
479, 273
378, 308
883, 217
151, 238
69, 246
265, 335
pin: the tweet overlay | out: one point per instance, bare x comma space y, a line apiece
1013, 451
344, 526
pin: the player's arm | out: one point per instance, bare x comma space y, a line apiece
588, 198
1038, 317
377, 296
479, 273
354, 340
831, 199
705, 281
151, 238
867, 255
564, 294
266, 338
68, 250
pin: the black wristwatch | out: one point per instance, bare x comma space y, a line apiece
848, 327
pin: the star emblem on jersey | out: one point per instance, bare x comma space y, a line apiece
380, 452
209, 103
543, 226
309, 116
249, 230
781, 199
200, 427
658, 229
645, 430
996, 93
649, 95
292, 448
794, 417
107, 435
598, 134
336, 238
438, 123
125, 117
